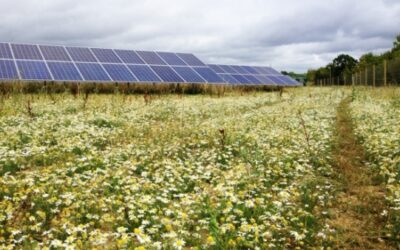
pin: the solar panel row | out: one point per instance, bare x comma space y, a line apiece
248, 75
43, 62
58, 63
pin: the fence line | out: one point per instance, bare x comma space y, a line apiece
386, 73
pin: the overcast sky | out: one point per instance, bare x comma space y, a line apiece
286, 34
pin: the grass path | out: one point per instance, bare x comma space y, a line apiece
356, 215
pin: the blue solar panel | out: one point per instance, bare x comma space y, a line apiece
264, 80
276, 80
8, 70
293, 81
252, 79
106, 56
129, 56
241, 79
171, 59
271, 71
217, 69
228, 69
255, 75
229, 79
167, 74
119, 73
29, 52
287, 80
81, 54
239, 69
144, 73
151, 58
64, 71
54, 53
250, 70
5, 51
190, 59
208, 74
188, 74
260, 70
93, 72
40, 62
33, 70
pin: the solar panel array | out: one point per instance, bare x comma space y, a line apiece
78, 64
251, 75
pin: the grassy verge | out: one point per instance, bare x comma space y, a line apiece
356, 214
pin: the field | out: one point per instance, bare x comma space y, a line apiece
254, 170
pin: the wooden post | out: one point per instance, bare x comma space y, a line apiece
374, 75
385, 73
366, 76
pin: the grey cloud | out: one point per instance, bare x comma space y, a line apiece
287, 34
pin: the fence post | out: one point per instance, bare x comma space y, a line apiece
385, 73
374, 75
366, 76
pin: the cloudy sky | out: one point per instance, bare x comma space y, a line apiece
286, 34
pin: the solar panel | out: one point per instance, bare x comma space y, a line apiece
261, 70
129, 56
189, 75
171, 59
265, 80
254, 76
277, 80
228, 69
119, 73
208, 74
287, 80
64, 71
239, 69
190, 59
167, 74
151, 58
106, 56
33, 70
8, 70
29, 52
241, 79
271, 71
252, 79
54, 53
229, 79
93, 72
81, 54
144, 73
59, 63
250, 70
216, 69
5, 51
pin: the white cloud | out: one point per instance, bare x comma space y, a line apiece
287, 34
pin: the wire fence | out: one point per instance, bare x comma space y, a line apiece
386, 73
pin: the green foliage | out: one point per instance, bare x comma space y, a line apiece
343, 65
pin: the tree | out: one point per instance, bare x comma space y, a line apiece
396, 47
368, 60
396, 43
311, 77
343, 64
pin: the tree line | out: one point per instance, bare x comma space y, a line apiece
344, 66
